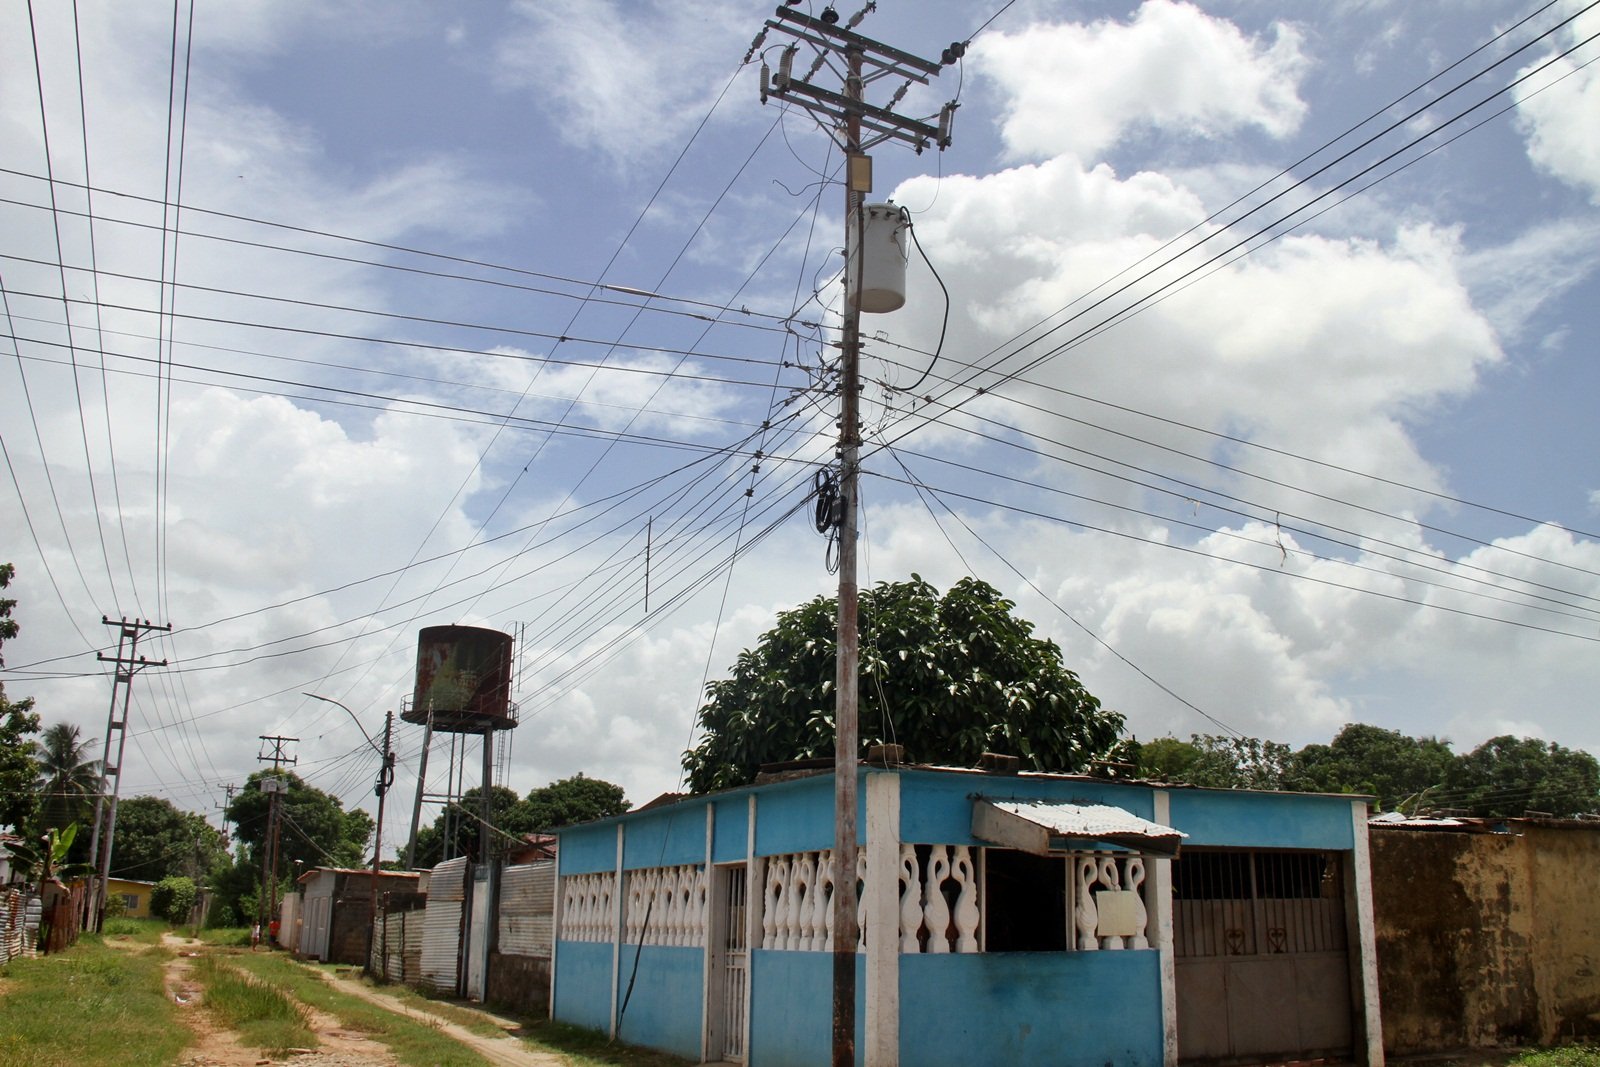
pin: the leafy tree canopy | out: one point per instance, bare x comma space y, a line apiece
18, 770
1397, 769
561, 803
948, 677
1506, 776
458, 827
155, 840
1503, 777
316, 829
173, 898
570, 800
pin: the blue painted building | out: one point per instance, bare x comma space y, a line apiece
1006, 920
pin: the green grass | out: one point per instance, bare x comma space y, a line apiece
264, 1017
1570, 1056
230, 936
145, 931
591, 1048
412, 1042
90, 1004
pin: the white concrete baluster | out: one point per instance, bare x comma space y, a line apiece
935, 909
967, 913
821, 911
1087, 917
805, 877
772, 905
702, 911
792, 900
1109, 879
910, 900
1135, 880
635, 907
861, 900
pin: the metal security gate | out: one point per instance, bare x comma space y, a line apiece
1263, 972
729, 969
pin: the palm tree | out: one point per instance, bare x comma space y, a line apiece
68, 780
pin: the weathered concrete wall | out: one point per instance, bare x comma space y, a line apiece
521, 983
1486, 940
1566, 931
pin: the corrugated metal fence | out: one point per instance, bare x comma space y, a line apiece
527, 907
441, 937
17, 934
397, 945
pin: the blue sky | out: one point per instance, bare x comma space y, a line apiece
1348, 476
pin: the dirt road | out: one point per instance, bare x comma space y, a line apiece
216, 1046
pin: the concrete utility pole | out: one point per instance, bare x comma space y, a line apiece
275, 788
128, 662
385, 780
847, 116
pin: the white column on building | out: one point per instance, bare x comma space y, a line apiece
1159, 886
1366, 938
618, 902
714, 932
882, 1046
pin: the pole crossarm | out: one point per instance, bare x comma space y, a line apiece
875, 52
841, 108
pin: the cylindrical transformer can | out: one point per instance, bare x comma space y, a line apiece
881, 257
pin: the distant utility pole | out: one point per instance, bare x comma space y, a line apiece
275, 788
846, 115
128, 662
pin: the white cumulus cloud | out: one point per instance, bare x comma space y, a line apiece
1077, 88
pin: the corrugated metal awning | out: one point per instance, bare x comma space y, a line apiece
1044, 827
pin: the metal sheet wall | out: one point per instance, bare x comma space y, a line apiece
441, 937
397, 946
527, 909
289, 923
317, 916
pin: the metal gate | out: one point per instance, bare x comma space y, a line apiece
726, 1035
1263, 972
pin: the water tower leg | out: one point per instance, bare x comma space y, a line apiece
422, 784
486, 806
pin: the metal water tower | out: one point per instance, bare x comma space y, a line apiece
463, 687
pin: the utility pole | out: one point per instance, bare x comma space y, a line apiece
385, 780
847, 115
128, 662
275, 788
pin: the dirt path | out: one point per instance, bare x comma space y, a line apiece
502, 1050
216, 1046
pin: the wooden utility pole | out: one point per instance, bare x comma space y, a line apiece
848, 116
385, 780
275, 788
128, 662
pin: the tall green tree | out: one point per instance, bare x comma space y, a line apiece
155, 840
69, 780
1400, 771
18, 722
570, 800
458, 827
316, 830
948, 677
1507, 776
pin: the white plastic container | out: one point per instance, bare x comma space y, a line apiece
882, 258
